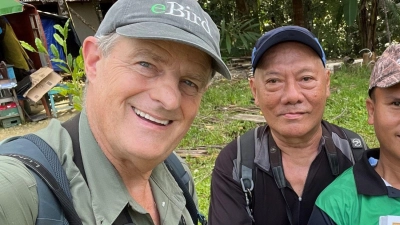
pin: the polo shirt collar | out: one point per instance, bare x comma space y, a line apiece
109, 195
368, 181
108, 192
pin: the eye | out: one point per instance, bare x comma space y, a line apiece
396, 103
189, 83
307, 78
272, 81
145, 64
146, 69
189, 88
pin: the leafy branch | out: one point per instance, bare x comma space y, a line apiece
72, 66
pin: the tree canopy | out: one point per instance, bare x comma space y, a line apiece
344, 27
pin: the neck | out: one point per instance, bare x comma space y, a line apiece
299, 148
388, 168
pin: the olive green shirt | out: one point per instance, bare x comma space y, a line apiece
107, 196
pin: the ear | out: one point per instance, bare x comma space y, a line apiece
91, 55
371, 110
328, 82
253, 88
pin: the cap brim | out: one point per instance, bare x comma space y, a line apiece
160, 31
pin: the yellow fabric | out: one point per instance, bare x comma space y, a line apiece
13, 52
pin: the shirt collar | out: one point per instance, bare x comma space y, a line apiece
368, 181
109, 194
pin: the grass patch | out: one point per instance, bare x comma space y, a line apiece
214, 126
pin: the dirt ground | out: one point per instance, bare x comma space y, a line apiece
30, 127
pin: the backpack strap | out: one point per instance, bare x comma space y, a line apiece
172, 162
357, 143
55, 199
353, 150
331, 153
245, 165
175, 165
72, 126
182, 179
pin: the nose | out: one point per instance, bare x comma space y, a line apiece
167, 93
291, 93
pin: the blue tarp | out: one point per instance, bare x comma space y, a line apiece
49, 30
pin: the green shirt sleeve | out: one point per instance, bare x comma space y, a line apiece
339, 199
18, 194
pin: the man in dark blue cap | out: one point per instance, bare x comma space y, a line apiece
273, 174
147, 69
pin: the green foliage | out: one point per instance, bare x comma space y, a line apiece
214, 125
238, 35
74, 67
350, 11
346, 105
27, 46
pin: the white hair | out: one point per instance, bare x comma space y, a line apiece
107, 42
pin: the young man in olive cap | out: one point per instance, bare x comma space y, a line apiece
147, 69
369, 192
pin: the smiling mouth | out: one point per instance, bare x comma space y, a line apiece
147, 117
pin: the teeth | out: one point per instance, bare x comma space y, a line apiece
148, 117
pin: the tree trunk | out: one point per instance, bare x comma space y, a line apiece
298, 17
387, 22
368, 19
242, 8
371, 42
363, 21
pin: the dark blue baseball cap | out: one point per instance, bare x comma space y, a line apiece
284, 34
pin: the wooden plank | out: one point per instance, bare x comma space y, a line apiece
249, 117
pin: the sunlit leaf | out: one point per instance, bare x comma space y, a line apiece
59, 29
54, 50
59, 40
65, 69
27, 46
40, 46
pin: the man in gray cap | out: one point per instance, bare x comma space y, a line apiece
369, 192
273, 174
147, 69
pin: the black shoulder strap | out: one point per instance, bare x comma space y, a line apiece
175, 165
246, 144
178, 172
72, 126
31, 146
357, 143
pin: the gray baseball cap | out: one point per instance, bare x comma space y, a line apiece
182, 21
386, 72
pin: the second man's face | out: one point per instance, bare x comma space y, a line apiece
384, 114
291, 87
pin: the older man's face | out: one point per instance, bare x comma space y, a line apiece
291, 87
143, 96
